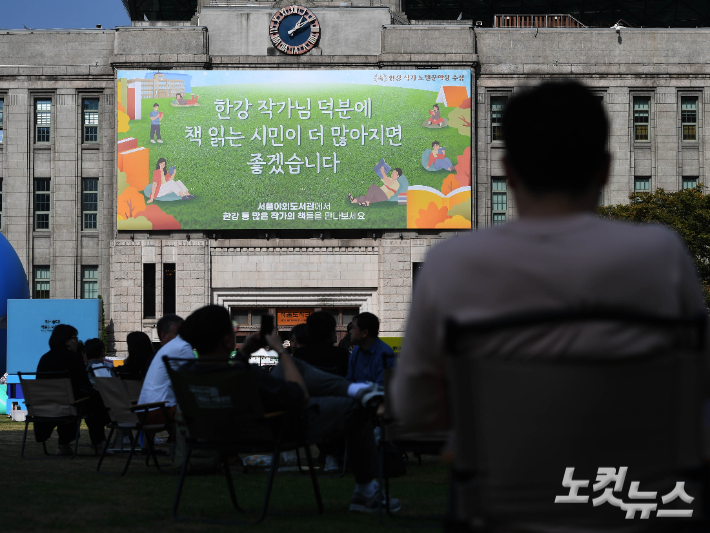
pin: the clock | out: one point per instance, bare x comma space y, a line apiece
294, 30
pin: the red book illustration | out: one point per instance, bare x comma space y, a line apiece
131, 97
135, 165
129, 143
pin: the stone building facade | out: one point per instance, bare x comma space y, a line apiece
46, 78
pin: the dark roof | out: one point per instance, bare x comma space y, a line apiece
593, 13
160, 9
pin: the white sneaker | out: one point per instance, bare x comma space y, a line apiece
161, 142
152, 141
331, 464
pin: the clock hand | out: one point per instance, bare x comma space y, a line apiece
296, 28
298, 25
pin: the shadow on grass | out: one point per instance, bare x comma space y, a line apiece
68, 495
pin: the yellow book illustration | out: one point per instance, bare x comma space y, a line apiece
428, 208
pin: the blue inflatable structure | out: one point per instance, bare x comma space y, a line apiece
13, 286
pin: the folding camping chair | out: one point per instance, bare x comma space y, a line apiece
128, 418
222, 410
50, 400
521, 423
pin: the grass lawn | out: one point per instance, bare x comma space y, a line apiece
59, 494
222, 181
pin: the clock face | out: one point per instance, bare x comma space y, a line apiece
294, 30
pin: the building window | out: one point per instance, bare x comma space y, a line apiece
89, 282
90, 202
169, 291
641, 114
41, 283
91, 120
497, 105
499, 200
42, 203
148, 290
689, 117
690, 183
642, 184
43, 120
2, 117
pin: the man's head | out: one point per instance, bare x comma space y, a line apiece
396, 173
366, 328
298, 336
435, 145
168, 328
63, 337
541, 157
155, 107
321, 328
95, 349
209, 331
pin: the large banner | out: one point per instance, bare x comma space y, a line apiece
369, 149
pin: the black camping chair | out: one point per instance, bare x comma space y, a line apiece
522, 420
222, 410
50, 400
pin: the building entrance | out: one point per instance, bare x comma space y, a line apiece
248, 319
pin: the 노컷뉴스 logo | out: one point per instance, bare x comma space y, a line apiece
642, 502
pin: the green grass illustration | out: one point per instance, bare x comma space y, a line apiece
222, 181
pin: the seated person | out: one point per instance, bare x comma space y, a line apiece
438, 158
164, 182
95, 364
319, 350
370, 355
435, 116
334, 406
157, 386
297, 338
346, 342
379, 193
61, 357
140, 355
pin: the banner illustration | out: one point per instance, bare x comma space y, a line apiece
368, 149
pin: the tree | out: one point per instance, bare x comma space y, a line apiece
687, 212
130, 202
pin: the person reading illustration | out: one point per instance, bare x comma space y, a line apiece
435, 116
379, 193
438, 159
164, 182
179, 100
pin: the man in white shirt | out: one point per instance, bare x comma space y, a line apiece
157, 386
557, 255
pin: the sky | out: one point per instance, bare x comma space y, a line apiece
65, 14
